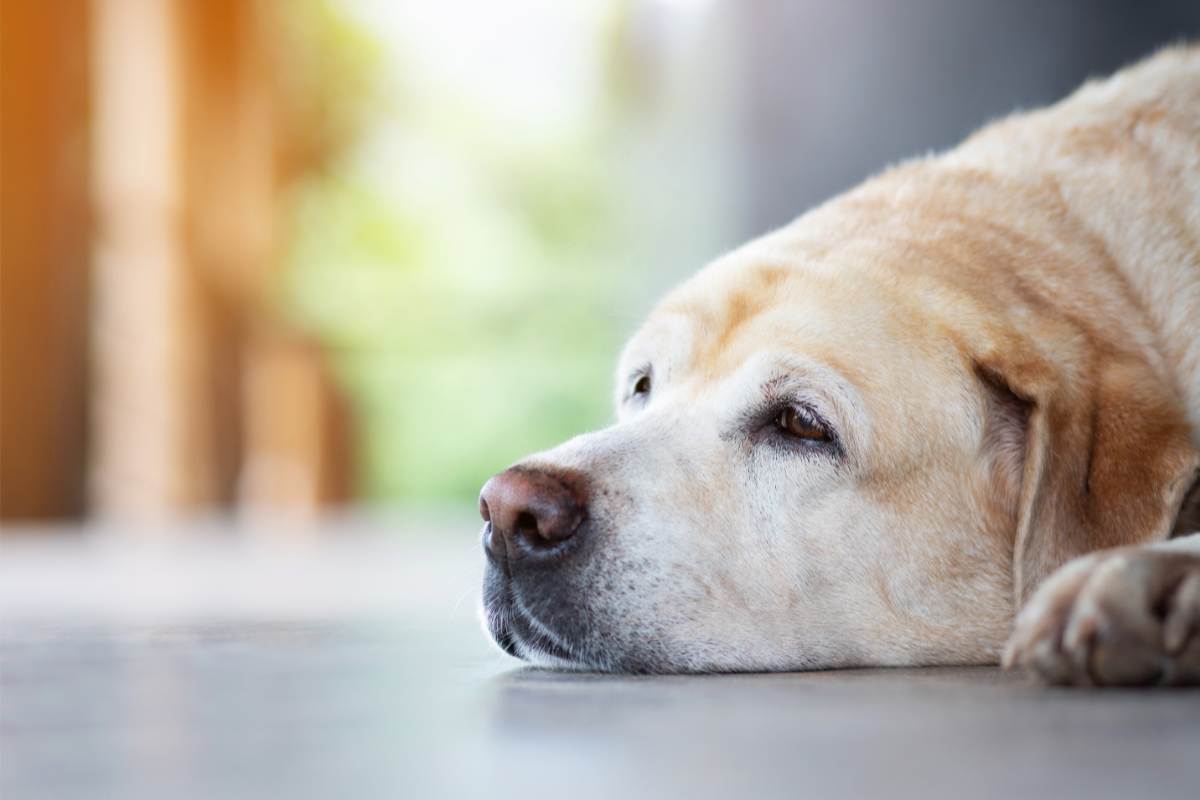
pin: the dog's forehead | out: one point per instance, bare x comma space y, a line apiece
757, 308
664, 342
746, 303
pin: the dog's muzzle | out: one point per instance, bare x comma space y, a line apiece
534, 521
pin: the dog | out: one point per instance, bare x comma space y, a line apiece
969, 386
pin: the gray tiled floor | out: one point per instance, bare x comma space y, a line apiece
352, 667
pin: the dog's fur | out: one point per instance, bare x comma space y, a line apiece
1005, 343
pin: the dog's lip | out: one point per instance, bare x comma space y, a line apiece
516, 632
525, 631
504, 636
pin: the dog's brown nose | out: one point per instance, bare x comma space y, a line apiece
531, 512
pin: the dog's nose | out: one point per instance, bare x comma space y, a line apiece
531, 512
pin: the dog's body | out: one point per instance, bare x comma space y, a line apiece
866, 438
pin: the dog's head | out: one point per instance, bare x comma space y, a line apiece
815, 466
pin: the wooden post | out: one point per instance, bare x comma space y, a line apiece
43, 258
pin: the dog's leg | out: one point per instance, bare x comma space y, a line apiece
1129, 616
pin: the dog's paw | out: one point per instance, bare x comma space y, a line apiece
1116, 618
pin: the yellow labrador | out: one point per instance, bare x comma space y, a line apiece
868, 438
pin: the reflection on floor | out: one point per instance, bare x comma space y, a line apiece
350, 664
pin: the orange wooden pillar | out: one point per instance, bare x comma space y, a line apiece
43, 258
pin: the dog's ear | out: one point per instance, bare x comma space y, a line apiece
1106, 461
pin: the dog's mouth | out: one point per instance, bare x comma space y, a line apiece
520, 633
514, 626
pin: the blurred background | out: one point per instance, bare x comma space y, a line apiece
283, 256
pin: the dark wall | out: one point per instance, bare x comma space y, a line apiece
835, 91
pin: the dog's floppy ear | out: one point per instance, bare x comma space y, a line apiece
1107, 456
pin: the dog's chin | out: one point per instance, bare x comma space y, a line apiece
557, 635
524, 637
516, 631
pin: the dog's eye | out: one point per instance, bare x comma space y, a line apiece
641, 387
798, 421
